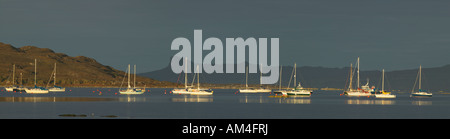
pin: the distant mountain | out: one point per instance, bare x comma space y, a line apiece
71, 71
435, 79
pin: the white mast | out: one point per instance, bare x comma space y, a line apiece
134, 83
260, 76
198, 78
351, 77
420, 77
21, 79
129, 76
357, 81
14, 72
54, 77
295, 75
246, 78
281, 69
382, 84
35, 64
185, 73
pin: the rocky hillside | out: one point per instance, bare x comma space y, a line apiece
71, 71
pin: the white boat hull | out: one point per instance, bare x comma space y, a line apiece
201, 93
10, 89
297, 93
421, 94
36, 91
192, 91
385, 96
180, 91
57, 90
131, 92
294, 92
255, 90
356, 93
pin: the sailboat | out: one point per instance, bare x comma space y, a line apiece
131, 90
36, 89
254, 90
12, 87
186, 88
199, 91
382, 93
420, 93
297, 90
356, 92
56, 88
20, 88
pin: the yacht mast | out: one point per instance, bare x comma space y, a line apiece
14, 71
357, 80
185, 73
21, 80
351, 77
295, 75
198, 78
420, 77
281, 69
260, 76
246, 78
54, 77
382, 84
35, 64
129, 76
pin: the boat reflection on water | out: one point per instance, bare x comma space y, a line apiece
295, 100
370, 102
280, 100
421, 102
192, 98
132, 99
54, 99
253, 99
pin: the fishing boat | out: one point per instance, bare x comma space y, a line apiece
36, 89
12, 87
55, 88
382, 93
297, 90
358, 91
254, 90
420, 92
131, 90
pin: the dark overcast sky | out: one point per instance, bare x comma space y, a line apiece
390, 34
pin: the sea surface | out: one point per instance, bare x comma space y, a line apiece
160, 103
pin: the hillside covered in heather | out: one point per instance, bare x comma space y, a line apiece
79, 71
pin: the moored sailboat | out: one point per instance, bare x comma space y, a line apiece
20, 88
186, 88
420, 92
382, 93
131, 90
199, 91
36, 89
12, 87
297, 90
356, 92
254, 90
56, 88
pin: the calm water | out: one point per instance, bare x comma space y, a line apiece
224, 103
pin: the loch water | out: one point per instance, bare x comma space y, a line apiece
160, 103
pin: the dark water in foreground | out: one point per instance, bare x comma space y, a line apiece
224, 103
